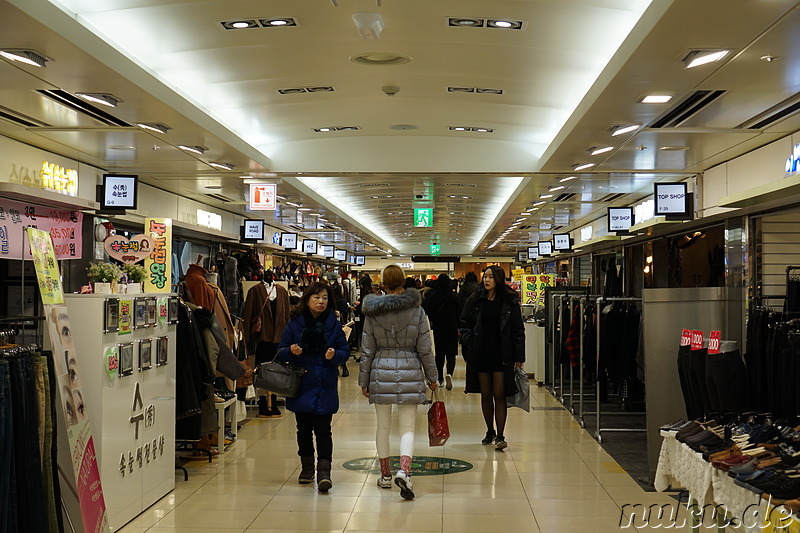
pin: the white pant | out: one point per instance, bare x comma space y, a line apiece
407, 417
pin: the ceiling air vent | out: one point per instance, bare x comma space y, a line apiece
564, 197
612, 196
20, 119
686, 108
73, 102
775, 113
363, 185
220, 198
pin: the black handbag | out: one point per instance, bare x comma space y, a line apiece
279, 378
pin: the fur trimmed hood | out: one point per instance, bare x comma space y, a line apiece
374, 305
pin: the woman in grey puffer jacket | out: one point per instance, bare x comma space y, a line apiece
396, 359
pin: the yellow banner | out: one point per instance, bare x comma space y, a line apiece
44, 259
533, 288
158, 264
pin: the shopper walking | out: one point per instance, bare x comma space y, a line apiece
314, 340
443, 310
396, 359
467, 288
492, 329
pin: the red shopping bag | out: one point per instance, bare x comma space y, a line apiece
438, 429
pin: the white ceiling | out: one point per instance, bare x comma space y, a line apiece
576, 68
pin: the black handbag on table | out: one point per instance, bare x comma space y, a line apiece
278, 378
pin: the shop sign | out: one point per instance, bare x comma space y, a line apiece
793, 162
423, 217
59, 179
645, 211
158, 265
63, 225
86, 473
586, 233
263, 196
517, 273
533, 288
150, 451
209, 219
128, 251
407, 266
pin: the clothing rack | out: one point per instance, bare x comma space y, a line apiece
558, 293
598, 413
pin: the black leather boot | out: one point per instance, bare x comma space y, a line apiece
307, 472
324, 482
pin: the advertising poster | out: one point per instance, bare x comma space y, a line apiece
64, 226
125, 317
68, 378
158, 264
534, 286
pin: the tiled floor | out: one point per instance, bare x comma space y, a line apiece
553, 477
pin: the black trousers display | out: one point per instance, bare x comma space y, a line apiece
726, 382
692, 374
310, 426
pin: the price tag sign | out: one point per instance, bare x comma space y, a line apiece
697, 340
714, 342
686, 337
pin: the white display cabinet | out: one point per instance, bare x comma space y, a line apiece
131, 408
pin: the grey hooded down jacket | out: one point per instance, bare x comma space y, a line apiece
396, 352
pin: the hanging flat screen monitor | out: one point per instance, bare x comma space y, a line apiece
561, 242
253, 230
327, 251
340, 255
119, 192
620, 219
522, 257
533, 252
672, 200
545, 248
289, 241
309, 246
360, 260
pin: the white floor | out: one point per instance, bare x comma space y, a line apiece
553, 477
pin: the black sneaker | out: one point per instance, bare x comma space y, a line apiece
489, 438
500, 443
345, 372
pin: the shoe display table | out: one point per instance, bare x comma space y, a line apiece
221, 408
709, 488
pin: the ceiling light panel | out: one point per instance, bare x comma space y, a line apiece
476, 90
157, 127
278, 22
489, 23
27, 56
599, 150
106, 99
622, 129
655, 99
195, 149
240, 24
470, 128
697, 58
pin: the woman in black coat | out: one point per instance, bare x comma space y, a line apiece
443, 310
494, 334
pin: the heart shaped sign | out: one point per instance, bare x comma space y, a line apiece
128, 251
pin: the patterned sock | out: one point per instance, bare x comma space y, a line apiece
386, 467
405, 464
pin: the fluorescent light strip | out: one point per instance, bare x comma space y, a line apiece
598, 151
568, 178
584, 166
621, 130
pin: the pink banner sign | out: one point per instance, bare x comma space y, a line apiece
63, 225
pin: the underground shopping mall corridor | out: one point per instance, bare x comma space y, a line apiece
553, 477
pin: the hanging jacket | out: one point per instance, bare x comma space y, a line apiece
396, 352
192, 376
201, 293
271, 325
318, 386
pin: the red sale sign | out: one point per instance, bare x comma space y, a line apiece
686, 337
714, 342
697, 339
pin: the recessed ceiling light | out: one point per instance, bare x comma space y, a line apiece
504, 24
106, 99
239, 24
556, 188
568, 178
221, 165
465, 22
278, 22
583, 166
21, 55
598, 151
304, 209
524, 214
769, 59
674, 148
622, 129
195, 149
482, 130
545, 196
380, 58
655, 99
696, 58
322, 130
154, 126
459, 128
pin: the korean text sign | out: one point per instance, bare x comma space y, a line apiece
158, 265
63, 225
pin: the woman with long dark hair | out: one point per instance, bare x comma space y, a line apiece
314, 340
443, 310
492, 329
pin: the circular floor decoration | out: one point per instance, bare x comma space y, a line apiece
422, 465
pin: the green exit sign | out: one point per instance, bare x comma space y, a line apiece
423, 217
436, 249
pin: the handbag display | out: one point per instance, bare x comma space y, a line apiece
522, 398
438, 428
278, 378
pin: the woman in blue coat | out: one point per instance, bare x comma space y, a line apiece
313, 339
